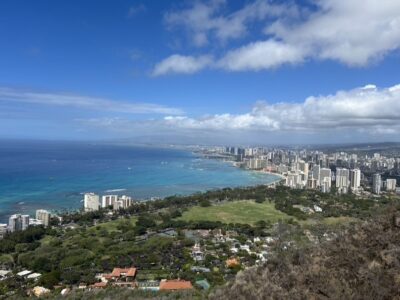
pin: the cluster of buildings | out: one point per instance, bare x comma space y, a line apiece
347, 172
119, 277
216, 242
126, 277
18, 222
92, 202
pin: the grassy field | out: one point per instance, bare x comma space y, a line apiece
330, 221
245, 212
111, 226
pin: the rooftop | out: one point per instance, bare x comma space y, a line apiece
24, 273
129, 272
175, 285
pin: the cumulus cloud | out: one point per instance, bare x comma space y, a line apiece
353, 32
83, 102
356, 33
359, 108
203, 19
366, 110
261, 55
182, 64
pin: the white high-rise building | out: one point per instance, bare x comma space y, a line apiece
342, 180
376, 184
108, 200
127, 201
91, 202
255, 163
14, 223
325, 185
18, 222
355, 179
123, 202
293, 180
44, 216
391, 185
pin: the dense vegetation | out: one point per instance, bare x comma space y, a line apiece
363, 262
135, 236
284, 199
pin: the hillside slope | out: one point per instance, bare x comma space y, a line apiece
363, 262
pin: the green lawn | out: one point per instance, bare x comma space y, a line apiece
111, 226
246, 212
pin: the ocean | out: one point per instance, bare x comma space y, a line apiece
54, 175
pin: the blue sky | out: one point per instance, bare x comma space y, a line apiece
200, 71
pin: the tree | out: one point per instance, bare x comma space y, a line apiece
49, 280
205, 203
145, 221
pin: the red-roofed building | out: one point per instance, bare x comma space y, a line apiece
174, 285
120, 275
99, 285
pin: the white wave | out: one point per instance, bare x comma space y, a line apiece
115, 190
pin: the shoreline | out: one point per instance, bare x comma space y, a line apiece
271, 173
121, 191
235, 164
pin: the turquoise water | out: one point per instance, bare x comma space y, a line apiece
53, 175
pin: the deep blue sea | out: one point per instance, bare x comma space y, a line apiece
53, 175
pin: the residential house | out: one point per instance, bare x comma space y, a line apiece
120, 277
197, 254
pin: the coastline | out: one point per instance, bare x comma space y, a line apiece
64, 191
236, 165
282, 177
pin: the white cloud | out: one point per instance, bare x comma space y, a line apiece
182, 64
356, 33
261, 55
367, 111
136, 9
207, 18
83, 102
353, 32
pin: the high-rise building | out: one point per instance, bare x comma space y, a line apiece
25, 221
376, 184
391, 185
311, 183
91, 202
44, 216
325, 177
127, 201
18, 222
3, 230
255, 163
355, 179
123, 202
342, 180
325, 184
108, 200
316, 173
293, 180
302, 166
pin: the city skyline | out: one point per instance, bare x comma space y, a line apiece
201, 72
